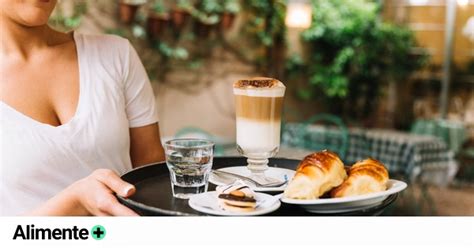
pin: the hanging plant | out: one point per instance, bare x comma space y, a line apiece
230, 9
206, 15
203, 27
210, 6
265, 29
128, 10
157, 20
180, 14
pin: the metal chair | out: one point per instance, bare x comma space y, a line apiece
451, 132
334, 136
425, 200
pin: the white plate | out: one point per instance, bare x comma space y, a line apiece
207, 203
279, 173
348, 204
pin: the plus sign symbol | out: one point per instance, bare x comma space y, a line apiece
98, 232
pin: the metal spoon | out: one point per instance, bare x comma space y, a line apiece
274, 183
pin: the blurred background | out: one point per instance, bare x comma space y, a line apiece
390, 79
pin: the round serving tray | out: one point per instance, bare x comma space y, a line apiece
153, 196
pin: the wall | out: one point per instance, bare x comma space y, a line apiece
428, 23
199, 98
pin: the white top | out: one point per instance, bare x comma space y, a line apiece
38, 160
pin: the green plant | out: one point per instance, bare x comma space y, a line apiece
352, 52
266, 20
173, 53
265, 28
210, 6
184, 4
159, 7
231, 6
65, 23
207, 11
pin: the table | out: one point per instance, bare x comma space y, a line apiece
419, 157
453, 133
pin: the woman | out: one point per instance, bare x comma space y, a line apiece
72, 106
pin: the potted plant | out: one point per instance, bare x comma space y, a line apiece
230, 9
128, 10
349, 38
206, 14
180, 14
204, 25
157, 20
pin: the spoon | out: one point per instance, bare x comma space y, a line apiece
274, 183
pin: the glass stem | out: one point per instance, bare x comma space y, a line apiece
257, 166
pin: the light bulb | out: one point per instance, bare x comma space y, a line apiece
463, 2
298, 14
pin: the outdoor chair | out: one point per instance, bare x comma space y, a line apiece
466, 160
451, 132
333, 136
453, 135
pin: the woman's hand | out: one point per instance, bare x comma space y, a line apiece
92, 195
95, 193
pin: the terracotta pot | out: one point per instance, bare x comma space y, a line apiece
227, 20
179, 18
203, 30
156, 24
127, 12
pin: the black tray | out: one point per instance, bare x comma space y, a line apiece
154, 197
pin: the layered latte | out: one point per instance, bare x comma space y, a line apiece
259, 104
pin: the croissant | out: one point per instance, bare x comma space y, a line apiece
316, 174
365, 177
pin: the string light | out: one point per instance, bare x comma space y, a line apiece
298, 14
463, 3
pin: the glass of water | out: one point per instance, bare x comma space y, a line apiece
189, 162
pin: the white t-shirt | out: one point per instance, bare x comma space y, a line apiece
38, 160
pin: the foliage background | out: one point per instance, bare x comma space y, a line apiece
349, 54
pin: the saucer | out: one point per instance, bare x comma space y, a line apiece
279, 173
207, 203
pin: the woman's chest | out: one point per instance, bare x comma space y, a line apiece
99, 122
97, 138
41, 161
46, 91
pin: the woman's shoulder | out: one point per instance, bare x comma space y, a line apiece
105, 43
104, 39
113, 51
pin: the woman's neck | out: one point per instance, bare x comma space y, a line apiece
20, 41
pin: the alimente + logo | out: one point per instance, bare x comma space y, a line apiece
30, 232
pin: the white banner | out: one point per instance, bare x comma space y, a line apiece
237, 232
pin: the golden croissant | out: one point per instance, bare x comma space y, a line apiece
316, 174
367, 176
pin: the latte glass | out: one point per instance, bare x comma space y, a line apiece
258, 104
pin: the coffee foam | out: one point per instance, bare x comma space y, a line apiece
260, 86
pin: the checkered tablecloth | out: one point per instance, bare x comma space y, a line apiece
415, 156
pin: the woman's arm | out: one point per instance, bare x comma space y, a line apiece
93, 195
145, 145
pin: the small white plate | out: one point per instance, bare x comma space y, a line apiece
279, 173
207, 203
348, 204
